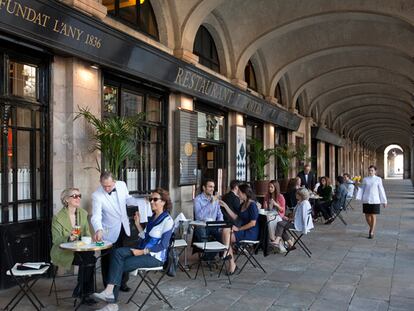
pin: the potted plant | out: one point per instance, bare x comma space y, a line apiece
258, 159
115, 137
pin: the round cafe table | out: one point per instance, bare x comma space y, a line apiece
79, 247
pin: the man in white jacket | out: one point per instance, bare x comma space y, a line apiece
110, 220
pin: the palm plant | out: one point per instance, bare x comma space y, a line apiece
285, 154
114, 137
259, 158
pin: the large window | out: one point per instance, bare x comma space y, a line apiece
149, 169
205, 49
278, 94
250, 76
23, 147
254, 129
136, 13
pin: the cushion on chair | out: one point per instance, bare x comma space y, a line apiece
210, 246
30, 272
249, 242
180, 243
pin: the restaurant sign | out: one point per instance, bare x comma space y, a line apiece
64, 29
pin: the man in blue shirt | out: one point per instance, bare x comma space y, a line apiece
207, 208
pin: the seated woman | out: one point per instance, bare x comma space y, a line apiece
302, 220
274, 200
249, 229
152, 247
325, 192
63, 222
290, 198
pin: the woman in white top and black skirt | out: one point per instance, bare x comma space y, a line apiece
372, 195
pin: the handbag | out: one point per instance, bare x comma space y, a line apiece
172, 262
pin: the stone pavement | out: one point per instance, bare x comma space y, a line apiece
346, 272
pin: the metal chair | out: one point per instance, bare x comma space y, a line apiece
297, 237
181, 245
144, 274
248, 249
25, 275
208, 247
337, 213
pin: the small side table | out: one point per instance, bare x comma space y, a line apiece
77, 247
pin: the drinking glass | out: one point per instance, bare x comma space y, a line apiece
76, 231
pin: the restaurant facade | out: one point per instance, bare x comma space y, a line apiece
56, 59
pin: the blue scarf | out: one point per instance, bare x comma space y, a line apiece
148, 241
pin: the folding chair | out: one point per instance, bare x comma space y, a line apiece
181, 244
297, 237
337, 213
248, 249
143, 273
207, 247
348, 203
53, 286
25, 279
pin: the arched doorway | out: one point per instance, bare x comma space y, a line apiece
394, 162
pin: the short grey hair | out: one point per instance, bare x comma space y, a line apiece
66, 194
303, 193
106, 175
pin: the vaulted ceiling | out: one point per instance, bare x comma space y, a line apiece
350, 61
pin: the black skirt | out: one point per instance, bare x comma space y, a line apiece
371, 208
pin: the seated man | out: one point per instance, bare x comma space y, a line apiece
207, 208
329, 210
350, 186
232, 199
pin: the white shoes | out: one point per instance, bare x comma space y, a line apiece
110, 307
282, 248
104, 296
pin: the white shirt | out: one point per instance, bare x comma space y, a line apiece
372, 191
303, 217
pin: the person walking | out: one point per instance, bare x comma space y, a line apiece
372, 194
110, 220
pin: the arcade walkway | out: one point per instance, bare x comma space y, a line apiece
346, 272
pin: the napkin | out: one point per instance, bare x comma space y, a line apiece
179, 218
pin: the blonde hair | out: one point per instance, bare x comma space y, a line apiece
67, 193
303, 193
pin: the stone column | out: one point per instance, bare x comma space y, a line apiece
321, 158
74, 83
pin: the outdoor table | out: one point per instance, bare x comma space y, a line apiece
78, 247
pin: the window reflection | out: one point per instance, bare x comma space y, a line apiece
210, 126
22, 80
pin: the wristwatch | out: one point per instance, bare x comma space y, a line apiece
146, 251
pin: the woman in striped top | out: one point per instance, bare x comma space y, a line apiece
151, 250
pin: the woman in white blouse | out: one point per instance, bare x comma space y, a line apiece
372, 195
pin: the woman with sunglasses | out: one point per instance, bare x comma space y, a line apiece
151, 250
63, 224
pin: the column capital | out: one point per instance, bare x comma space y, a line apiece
186, 56
90, 7
241, 84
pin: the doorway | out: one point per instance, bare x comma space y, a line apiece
394, 162
210, 164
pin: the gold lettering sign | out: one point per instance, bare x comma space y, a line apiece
40, 19
193, 81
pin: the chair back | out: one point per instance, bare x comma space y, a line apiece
7, 250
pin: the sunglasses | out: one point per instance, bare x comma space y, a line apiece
154, 199
76, 196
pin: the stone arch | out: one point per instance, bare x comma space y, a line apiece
221, 40
260, 70
167, 26
193, 21
307, 21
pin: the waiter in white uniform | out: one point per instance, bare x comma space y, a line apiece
110, 220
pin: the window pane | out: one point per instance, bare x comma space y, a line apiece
110, 99
132, 103
24, 211
37, 168
23, 165
24, 117
23, 80
210, 126
128, 11
154, 109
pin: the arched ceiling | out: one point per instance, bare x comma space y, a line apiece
352, 60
